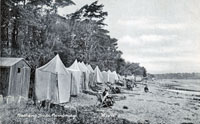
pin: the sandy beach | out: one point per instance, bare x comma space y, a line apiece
160, 105
169, 102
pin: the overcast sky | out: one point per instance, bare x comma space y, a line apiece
162, 35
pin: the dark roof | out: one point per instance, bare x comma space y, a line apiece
7, 61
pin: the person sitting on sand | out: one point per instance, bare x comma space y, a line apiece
117, 90
107, 99
105, 94
129, 84
146, 89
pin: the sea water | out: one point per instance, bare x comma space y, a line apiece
186, 86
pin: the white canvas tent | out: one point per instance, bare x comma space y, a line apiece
138, 78
90, 68
76, 78
98, 77
75, 66
130, 77
105, 76
111, 77
116, 76
123, 76
84, 69
120, 77
53, 82
91, 75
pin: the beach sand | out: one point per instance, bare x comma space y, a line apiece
160, 105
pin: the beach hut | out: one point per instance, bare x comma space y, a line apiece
53, 82
14, 77
98, 77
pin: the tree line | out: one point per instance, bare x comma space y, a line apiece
34, 30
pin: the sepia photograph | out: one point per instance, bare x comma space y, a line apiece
100, 62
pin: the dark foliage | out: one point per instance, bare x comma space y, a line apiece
33, 30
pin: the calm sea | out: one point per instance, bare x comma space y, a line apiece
186, 86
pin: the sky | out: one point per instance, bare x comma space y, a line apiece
161, 35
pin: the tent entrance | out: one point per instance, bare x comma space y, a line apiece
52, 92
84, 81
